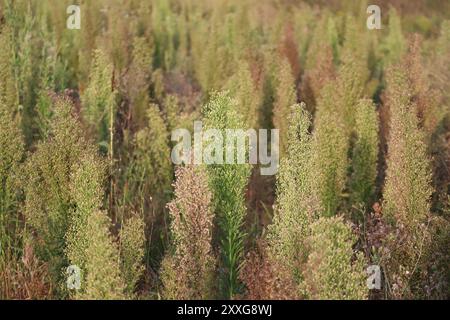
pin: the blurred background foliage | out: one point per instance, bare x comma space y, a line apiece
85, 169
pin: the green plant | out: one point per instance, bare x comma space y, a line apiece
353, 71
172, 112
86, 182
166, 34
426, 99
12, 148
212, 54
247, 94
330, 147
103, 278
439, 80
138, 70
294, 210
98, 98
285, 97
334, 270
132, 247
91, 247
49, 201
8, 91
324, 35
137, 79
407, 189
317, 76
20, 25
408, 176
394, 44
12, 153
150, 172
228, 182
365, 154
320, 59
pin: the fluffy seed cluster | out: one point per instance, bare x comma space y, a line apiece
332, 271
188, 269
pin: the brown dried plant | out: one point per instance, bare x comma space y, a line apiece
188, 268
266, 278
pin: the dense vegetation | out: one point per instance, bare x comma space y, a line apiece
86, 176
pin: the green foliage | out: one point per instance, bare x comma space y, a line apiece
151, 171
247, 94
330, 146
103, 278
324, 35
438, 85
146, 181
166, 33
89, 244
349, 88
37, 61
138, 79
213, 51
294, 209
408, 177
285, 97
188, 268
172, 111
11, 140
407, 189
132, 246
177, 113
137, 70
51, 75
334, 270
44, 104
394, 44
365, 153
98, 98
85, 187
143, 51
20, 24
317, 75
336, 119
207, 54
119, 34
12, 152
8, 92
228, 182
353, 72
11, 143
158, 84
49, 201
444, 37
304, 20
